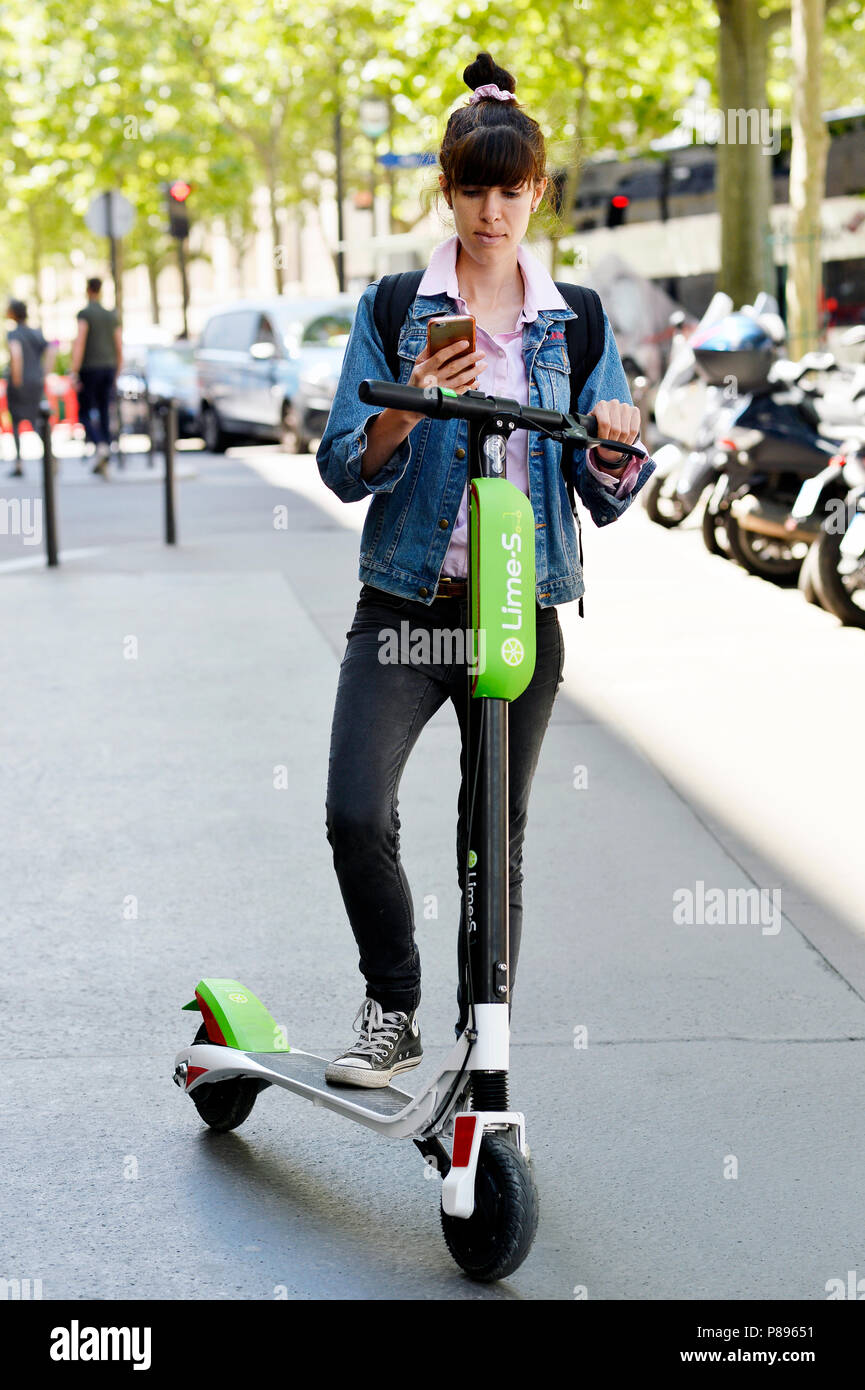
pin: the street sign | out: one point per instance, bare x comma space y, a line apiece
374, 116
405, 161
110, 214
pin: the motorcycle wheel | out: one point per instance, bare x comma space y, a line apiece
840, 580
713, 527
661, 502
808, 579
764, 556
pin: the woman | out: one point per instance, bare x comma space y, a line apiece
25, 382
413, 548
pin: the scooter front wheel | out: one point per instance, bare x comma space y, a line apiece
224, 1104
493, 1242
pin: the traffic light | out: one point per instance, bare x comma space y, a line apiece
178, 216
616, 209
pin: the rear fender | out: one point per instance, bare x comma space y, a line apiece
235, 1017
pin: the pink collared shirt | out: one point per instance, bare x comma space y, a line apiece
504, 374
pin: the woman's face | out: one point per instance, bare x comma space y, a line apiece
491, 222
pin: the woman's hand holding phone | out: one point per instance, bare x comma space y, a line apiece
453, 366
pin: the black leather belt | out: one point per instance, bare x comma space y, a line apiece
451, 588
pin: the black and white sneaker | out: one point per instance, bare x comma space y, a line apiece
388, 1043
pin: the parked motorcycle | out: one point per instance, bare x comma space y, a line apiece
773, 438
836, 561
689, 404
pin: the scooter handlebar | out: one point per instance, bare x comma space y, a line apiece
442, 404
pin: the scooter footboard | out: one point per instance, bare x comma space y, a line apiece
391, 1112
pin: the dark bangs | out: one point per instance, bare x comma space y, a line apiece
491, 156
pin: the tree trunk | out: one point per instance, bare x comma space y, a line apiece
153, 285
35, 257
275, 232
744, 177
571, 183
299, 224
807, 178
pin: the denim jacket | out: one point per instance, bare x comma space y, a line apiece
416, 493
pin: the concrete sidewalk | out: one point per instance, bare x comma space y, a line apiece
691, 1090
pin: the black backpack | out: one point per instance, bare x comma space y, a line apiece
584, 337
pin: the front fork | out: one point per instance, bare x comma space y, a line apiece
454, 1153
458, 1187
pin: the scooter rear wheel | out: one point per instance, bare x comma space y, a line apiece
224, 1104
497, 1237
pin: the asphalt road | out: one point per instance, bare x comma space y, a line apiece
692, 1088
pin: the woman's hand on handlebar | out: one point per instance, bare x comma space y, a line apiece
452, 366
616, 420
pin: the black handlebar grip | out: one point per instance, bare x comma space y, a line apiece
390, 394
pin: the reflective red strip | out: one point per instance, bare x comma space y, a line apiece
192, 1074
214, 1032
464, 1133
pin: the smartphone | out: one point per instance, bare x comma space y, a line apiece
449, 329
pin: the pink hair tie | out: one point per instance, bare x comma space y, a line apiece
490, 90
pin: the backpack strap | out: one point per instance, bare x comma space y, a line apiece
584, 336
393, 296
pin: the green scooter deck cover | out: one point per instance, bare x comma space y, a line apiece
233, 1011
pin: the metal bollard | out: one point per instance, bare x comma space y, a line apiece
152, 418
48, 483
169, 436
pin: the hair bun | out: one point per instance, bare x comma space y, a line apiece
484, 70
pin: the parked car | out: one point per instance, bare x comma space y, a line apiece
251, 359
154, 370
323, 347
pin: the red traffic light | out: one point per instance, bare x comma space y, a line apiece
620, 200
179, 191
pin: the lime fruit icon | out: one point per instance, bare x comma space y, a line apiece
512, 651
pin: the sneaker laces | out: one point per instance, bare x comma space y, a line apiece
378, 1031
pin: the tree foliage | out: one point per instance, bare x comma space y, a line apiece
240, 96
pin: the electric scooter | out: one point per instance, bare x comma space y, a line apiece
461, 1120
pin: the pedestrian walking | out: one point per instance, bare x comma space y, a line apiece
413, 547
30, 357
97, 356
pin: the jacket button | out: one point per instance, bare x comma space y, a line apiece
444, 523
461, 453
423, 591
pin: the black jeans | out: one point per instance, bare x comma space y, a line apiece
94, 396
380, 711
